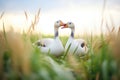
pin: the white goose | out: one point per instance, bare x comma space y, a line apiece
76, 46
52, 46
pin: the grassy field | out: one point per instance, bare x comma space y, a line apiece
20, 60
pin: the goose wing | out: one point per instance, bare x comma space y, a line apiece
44, 42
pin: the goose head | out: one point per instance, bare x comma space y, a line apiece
58, 24
69, 25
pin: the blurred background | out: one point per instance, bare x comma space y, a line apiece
86, 14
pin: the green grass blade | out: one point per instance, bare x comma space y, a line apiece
67, 51
75, 49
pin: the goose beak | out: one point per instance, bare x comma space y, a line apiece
65, 26
62, 24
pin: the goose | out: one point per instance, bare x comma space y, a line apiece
76, 46
52, 45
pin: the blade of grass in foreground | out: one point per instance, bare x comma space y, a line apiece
67, 51
75, 49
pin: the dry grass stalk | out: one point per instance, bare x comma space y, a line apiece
76, 66
26, 16
102, 16
2, 15
112, 39
119, 31
3, 45
112, 22
2, 49
35, 22
20, 52
97, 76
108, 28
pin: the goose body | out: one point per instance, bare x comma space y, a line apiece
52, 45
76, 46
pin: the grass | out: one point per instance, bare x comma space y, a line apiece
20, 60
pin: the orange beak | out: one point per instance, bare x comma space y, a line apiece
65, 26
61, 23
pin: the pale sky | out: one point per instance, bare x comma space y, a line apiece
85, 14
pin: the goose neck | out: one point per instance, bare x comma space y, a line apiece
56, 33
72, 33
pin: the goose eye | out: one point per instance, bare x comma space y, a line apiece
57, 22
82, 45
70, 23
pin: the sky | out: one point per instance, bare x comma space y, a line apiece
85, 14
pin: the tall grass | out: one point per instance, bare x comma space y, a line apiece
20, 60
